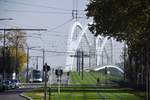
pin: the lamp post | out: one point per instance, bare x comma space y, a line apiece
6, 19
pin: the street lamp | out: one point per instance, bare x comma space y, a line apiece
6, 19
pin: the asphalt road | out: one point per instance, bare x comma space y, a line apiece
13, 94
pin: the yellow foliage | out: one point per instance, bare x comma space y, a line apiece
21, 56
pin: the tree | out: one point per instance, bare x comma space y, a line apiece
15, 55
17, 39
129, 21
122, 19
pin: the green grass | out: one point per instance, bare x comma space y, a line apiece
91, 78
87, 89
87, 96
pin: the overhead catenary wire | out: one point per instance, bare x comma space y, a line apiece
58, 26
34, 11
35, 5
56, 10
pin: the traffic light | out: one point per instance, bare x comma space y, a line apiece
58, 72
61, 72
46, 66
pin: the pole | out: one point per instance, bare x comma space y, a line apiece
49, 93
79, 56
27, 75
43, 64
82, 62
89, 59
147, 74
17, 57
59, 85
4, 56
105, 75
37, 62
148, 85
124, 61
77, 61
45, 84
102, 59
111, 51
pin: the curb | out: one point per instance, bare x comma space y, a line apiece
24, 96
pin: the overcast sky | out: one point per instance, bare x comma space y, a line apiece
53, 15
46, 14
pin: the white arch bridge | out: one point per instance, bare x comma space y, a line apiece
99, 49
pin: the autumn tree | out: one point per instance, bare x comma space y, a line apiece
15, 55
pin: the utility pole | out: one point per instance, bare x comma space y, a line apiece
75, 13
89, 58
75, 10
77, 61
147, 74
4, 56
27, 75
43, 63
79, 57
82, 55
37, 62
124, 57
102, 58
16, 64
45, 82
111, 52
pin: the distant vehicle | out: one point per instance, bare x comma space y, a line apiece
15, 83
12, 84
1, 86
35, 76
7, 84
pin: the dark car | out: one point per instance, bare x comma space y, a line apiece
13, 84
1, 86
16, 83
7, 84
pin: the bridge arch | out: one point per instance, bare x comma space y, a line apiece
109, 66
73, 44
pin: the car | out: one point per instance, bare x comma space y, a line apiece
13, 84
7, 84
16, 83
1, 86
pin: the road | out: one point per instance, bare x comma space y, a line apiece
13, 94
